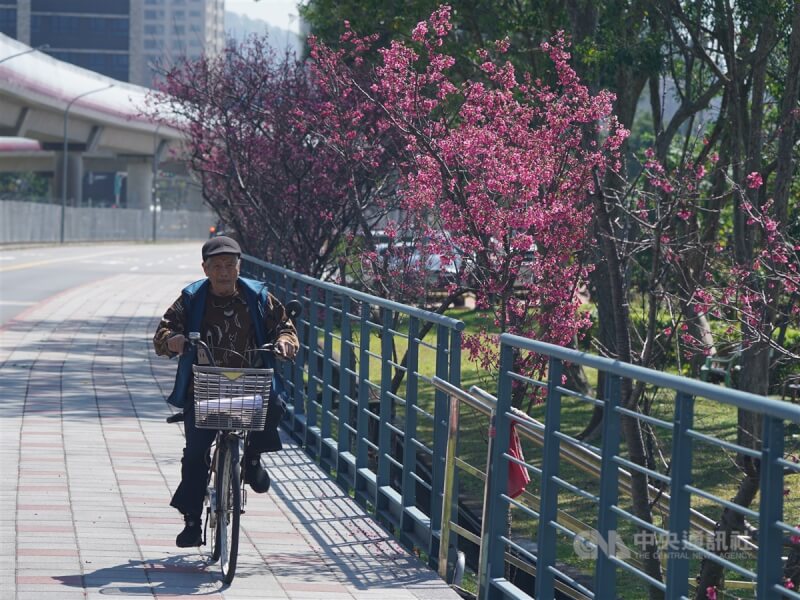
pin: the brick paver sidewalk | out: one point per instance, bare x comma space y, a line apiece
88, 466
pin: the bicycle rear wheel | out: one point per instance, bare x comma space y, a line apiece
229, 506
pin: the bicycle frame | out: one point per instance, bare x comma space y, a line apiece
225, 501
222, 437
225, 492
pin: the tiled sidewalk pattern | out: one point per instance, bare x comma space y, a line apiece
88, 466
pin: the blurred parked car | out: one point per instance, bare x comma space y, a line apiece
404, 257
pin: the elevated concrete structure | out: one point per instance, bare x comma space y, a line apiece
101, 121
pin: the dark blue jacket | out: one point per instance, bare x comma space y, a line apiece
194, 304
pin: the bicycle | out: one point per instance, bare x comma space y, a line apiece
232, 401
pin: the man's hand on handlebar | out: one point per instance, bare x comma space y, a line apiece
176, 343
285, 349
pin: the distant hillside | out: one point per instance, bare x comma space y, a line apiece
239, 27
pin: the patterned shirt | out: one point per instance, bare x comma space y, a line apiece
228, 331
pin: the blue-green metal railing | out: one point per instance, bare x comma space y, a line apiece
373, 435
772, 530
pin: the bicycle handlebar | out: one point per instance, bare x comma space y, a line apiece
197, 342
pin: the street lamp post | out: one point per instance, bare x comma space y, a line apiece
155, 208
28, 51
64, 158
154, 203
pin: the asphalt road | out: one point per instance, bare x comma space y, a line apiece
30, 275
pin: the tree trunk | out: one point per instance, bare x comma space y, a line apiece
788, 122
791, 571
631, 428
730, 524
606, 336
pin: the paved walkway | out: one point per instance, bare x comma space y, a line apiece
88, 466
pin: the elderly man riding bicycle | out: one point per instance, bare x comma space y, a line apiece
235, 316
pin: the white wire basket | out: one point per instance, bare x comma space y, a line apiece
226, 398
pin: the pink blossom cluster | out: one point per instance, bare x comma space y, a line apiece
287, 162
504, 188
495, 176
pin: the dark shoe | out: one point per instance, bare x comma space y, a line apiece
192, 534
256, 475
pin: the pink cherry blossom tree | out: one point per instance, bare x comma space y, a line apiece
693, 276
259, 139
495, 180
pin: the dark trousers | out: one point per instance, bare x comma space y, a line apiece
196, 461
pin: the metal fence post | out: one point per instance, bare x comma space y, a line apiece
548, 513
455, 357
276, 284
605, 582
492, 547
280, 282
680, 498
409, 484
312, 398
440, 419
383, 469
770, 538
455, 379
449, 496
362, 418
345, 391
298, 390
326, 461
483, 556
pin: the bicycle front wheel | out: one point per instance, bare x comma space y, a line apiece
229, 508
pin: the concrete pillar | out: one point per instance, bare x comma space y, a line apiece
74, 178
140, 182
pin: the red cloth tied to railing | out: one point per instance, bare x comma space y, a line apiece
518, 476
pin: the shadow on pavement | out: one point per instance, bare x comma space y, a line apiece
73, 368
173, 576
352, 542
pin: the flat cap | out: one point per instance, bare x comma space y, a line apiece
221, 245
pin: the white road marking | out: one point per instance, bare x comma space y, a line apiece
39, 263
